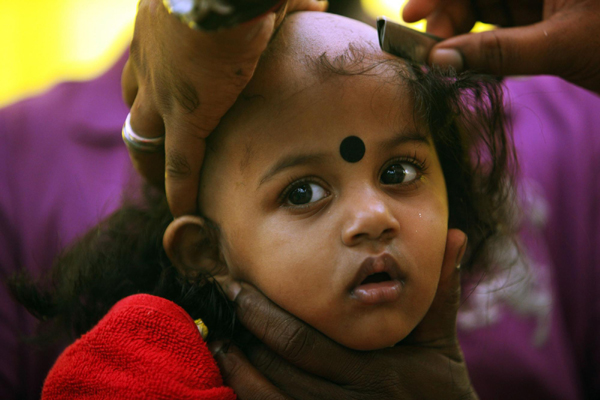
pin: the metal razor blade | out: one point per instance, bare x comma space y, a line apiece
405, 42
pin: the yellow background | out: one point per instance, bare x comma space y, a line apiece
46, 41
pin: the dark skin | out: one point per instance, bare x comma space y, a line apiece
552, 37
297, 362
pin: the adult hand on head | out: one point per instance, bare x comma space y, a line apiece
553, 37
179, 82
296, 361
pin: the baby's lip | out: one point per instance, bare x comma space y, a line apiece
383, 263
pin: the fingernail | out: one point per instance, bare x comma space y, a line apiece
232, 290
446, 58
461, 253
215, 347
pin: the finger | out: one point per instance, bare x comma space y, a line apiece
129, 85
416, 10
146, 122
145, 119
291, 380
510, 51
453, 19
245, 41
440, 321
243, 378
237, 52
184, 153
292, 339
439, 23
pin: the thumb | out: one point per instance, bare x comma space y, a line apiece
439, 324
534, 49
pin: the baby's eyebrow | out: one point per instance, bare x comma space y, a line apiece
403, 137
290, 161
294, 160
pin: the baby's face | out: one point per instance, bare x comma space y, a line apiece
352, 248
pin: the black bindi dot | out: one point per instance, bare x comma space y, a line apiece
352, 149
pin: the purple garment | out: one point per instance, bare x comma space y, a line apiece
557, 135
65, 167
62, 167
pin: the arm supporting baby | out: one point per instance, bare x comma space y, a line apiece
302, 363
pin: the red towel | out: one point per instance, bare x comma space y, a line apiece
146, 347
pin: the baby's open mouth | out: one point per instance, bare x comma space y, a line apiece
376, 278
379, 280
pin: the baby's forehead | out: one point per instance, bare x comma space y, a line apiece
283, 81
311, 54
344, 102
313, 46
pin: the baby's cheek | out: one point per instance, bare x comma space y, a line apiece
264, 259
238, 255
292, 271
428, 239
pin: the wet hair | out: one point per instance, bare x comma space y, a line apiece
123, 255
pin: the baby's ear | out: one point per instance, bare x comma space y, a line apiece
192, 244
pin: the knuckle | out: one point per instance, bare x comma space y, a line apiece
254, 314
186, 95
177, 166
234, 368
264, 361
296, 341
242, 76
492, 52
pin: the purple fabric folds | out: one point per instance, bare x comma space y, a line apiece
62, 168
557, 134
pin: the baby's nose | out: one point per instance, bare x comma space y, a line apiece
369, 218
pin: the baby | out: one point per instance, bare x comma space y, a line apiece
330, 185
327, 193
326, 187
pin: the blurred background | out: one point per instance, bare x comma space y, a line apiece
43, 42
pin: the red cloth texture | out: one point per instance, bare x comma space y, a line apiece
146, 347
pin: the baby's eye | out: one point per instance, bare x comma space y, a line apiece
399, 173
305, 193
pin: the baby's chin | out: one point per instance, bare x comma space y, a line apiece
373, 340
